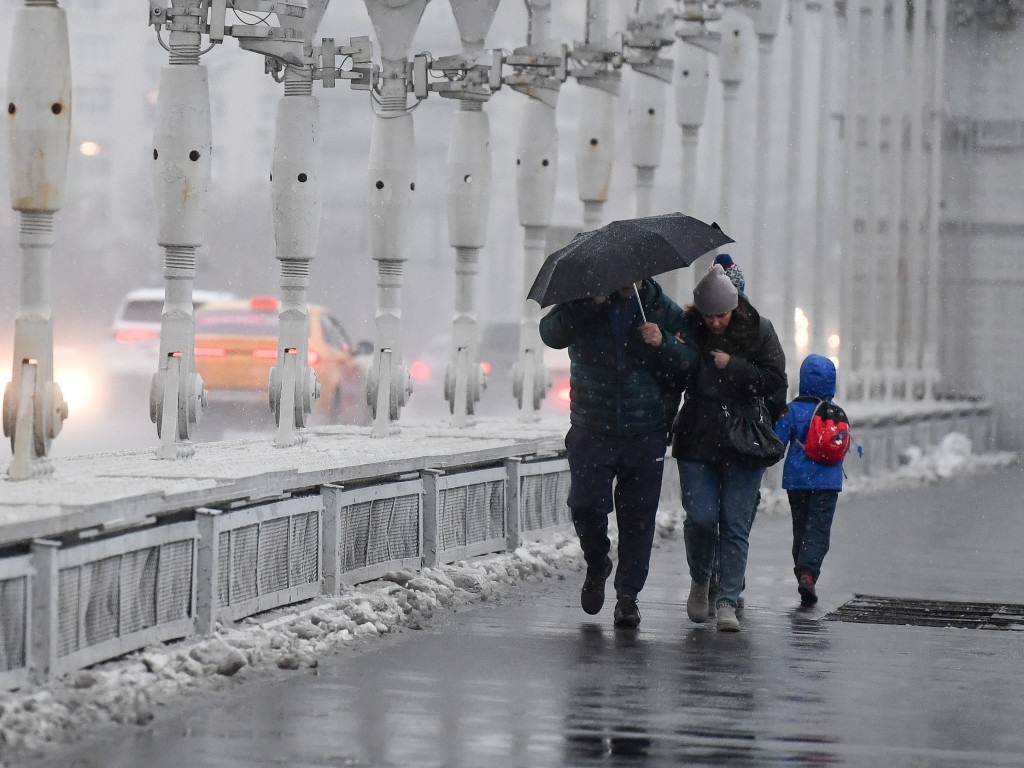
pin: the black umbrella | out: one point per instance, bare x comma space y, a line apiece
621, 253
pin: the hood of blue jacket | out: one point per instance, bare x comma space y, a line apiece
818, 377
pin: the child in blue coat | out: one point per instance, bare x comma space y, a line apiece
813, 488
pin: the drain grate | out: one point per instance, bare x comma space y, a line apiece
871, 609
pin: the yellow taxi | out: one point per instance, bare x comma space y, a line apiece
236, 346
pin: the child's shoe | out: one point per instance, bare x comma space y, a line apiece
805, 586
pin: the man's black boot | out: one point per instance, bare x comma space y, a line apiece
627, 615
592, 594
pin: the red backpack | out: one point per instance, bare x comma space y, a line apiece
828, 436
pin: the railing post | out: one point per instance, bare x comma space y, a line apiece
331, 494
429, 529
43, 622
513, 505
207, 570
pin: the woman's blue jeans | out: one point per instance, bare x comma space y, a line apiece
719, 503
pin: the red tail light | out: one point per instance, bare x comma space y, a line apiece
264, 354
562, 394
132, 335
312, 358
419, 371
263, 304
486, 367
210, 352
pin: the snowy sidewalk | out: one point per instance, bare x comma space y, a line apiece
528, 679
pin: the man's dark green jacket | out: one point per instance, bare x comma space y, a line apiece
622, 388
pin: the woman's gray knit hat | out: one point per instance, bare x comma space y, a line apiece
715, 294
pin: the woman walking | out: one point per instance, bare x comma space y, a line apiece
741, 366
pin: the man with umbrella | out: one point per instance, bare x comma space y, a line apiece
626, 369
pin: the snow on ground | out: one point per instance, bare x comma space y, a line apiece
130, 690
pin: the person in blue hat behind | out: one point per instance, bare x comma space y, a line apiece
732, 271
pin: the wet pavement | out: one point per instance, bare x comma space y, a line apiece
532, 681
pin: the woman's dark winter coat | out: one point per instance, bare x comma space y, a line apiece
619, 385
753, 380
800, 472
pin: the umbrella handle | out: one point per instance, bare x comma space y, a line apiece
636, 293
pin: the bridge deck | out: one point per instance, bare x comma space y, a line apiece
127, 487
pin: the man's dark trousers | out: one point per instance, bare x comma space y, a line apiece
635, 464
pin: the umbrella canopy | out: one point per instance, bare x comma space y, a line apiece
621, 253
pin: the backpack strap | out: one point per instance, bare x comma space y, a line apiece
808, 399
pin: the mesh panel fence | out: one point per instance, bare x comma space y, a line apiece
378, 531
542, 501
305, 549
242, 579
102, 588
451, 517
224, 568
68, 581
273, 555
470, 514
13, 593
174, 595
138, 578
353, 534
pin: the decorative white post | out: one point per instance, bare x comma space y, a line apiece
595, 147
933, 273
823, 264
916, 201
536, 175
469, 199
39, 135
894, 301
731, 54
875, 251
762, 259
182, 149
790, 266
691, 92
392, 184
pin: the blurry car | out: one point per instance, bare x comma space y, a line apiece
426, 369
236, 346
499, 350
557, 362
133, 345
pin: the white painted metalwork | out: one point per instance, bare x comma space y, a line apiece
595, 142
541, 72
691, 92
763, 259
371, 530
39, 130
650, 30
469, 197
537, 492
824, 268
182, 150
257, 558
120, 594
15, 613
793, 284
933, 267
392, 185
464, 514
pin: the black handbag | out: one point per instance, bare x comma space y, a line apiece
752, 436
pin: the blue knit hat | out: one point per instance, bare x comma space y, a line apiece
732, 270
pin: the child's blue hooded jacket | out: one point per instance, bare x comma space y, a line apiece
800, 473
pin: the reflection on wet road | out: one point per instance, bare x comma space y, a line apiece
535, 682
